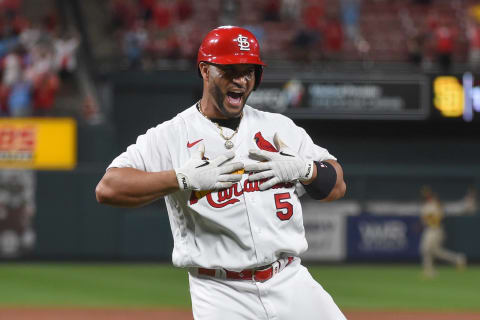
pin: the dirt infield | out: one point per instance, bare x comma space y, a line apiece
95, 314
100, 314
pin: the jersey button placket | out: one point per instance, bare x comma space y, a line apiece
253, 206
251, 211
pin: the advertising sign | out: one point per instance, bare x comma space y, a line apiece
457, 96
383, 238
325, 235
342, 97
38, 143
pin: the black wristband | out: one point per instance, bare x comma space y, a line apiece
323, 184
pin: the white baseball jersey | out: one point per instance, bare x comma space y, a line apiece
239, 227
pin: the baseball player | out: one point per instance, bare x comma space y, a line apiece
231, 177
433, 236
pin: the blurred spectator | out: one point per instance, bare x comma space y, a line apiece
42, 62
229, 12
11, 8
271, 10
17, 90
473, 36
172, 48
134, 42
363, 47
45, 89
415, 48
65, 53
8, 41
31, 36
12, 67
146, 9
313, 14
333, 38
19, 101
303, 44
50, 21
42, 74
162, 15
290, 10
444, 45
184, 9
350, 17
152, 48
124, 13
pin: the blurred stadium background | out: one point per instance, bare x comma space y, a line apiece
390, 87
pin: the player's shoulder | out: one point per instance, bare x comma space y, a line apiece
187, 114
261, 115
177, 122
170, 128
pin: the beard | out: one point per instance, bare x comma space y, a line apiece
220, 98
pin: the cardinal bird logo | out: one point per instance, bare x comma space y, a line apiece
263, 144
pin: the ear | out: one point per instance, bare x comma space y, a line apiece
204, 70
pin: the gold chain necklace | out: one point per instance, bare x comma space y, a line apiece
228, 143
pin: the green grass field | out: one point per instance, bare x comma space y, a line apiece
157, 285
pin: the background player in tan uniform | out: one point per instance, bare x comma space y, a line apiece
431, 245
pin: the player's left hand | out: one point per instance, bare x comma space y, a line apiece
284, 166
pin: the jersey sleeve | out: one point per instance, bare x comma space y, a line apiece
149, 153
308, 150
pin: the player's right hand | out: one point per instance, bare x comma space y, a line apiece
199, 174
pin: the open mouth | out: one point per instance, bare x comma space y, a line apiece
234, 98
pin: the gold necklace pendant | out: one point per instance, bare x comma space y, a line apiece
228, 143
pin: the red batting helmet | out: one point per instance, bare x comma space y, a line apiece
231, 45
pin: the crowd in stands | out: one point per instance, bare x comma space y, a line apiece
443, 33
420, 31
35, 56
149, 30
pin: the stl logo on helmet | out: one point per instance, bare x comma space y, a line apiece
243, 43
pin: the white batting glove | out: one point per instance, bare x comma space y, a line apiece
284, 166
198, 174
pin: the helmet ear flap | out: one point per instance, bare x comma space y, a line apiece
258, 75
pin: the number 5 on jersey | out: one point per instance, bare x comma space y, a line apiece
285, 208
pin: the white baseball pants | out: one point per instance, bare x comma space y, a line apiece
289, 295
